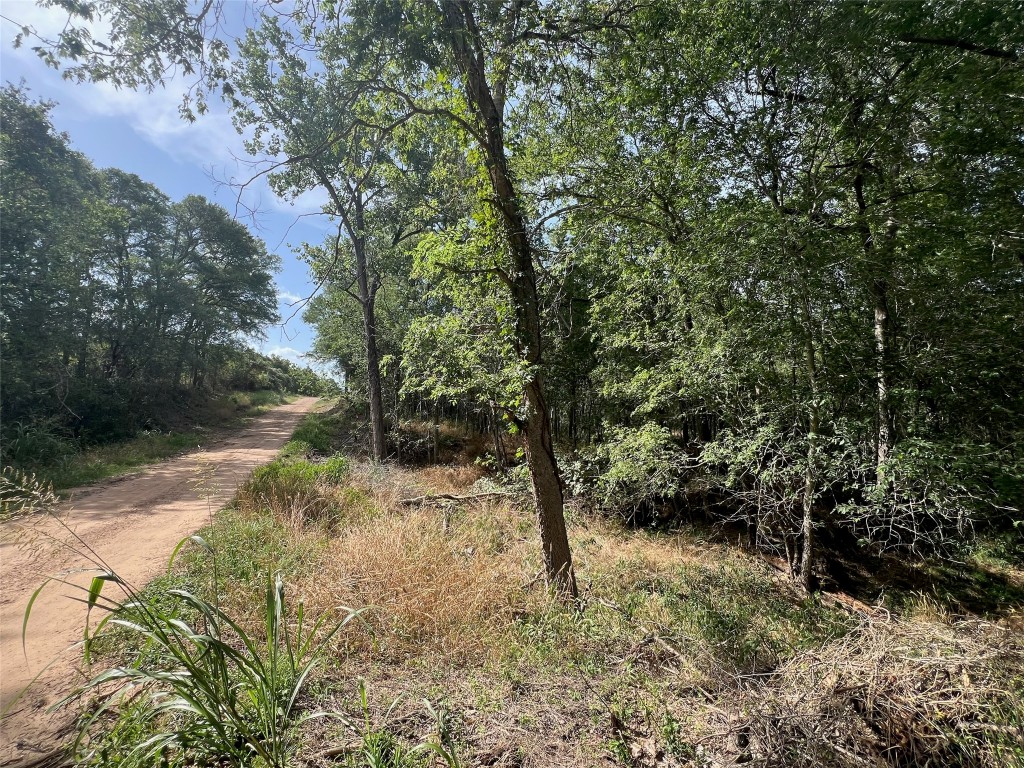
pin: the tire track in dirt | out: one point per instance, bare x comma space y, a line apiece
133, 524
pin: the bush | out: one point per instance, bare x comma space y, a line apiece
934, 495
633, 469
298, 491
35, 443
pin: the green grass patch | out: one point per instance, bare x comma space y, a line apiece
210, 687
735, 617
238, 550
100, 462
320, 431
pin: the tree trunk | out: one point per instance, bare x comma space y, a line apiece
377, 447
499, 447
547, 492
811, 474
879, 293
468, 50
367, 298
879, 290
366, 294
435, 437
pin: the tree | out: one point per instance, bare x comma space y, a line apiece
111, 291
327, 134
777, 244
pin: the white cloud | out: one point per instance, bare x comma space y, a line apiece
46, 22
287, 297
211, 142
288, 353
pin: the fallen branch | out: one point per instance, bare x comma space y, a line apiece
431, 497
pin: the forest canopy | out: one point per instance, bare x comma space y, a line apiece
760, 260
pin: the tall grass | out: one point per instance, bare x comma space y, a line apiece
206, 690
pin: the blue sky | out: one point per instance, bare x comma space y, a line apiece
142, 133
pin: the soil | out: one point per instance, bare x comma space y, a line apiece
132, 524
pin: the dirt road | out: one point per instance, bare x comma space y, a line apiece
133, 524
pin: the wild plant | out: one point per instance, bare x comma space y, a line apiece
208, 690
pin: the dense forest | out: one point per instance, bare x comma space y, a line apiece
721, 300
120, 307
764, 260
760, 259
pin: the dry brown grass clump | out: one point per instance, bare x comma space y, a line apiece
893, 693
436, 580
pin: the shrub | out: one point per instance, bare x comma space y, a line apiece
35, 443
299, 491
633, 469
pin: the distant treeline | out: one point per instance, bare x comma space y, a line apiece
118, 303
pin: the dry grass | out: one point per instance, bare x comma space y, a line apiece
681, 653
432, 591
434, 580
613, 558
893, 693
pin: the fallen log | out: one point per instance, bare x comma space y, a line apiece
432, 497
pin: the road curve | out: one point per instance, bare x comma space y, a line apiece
133, 524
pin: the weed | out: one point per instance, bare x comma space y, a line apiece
217, 693
432, 589
22, 493
296, 450
319, 431
750, 622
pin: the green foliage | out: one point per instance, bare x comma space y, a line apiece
89, 465
381, 748
249, 370
639, 466
249, 543
296, 476
320, 431
746, 621
67, 463
299, 490
118, 303
33, 443
781, 237
298, 450
733, 618
220, 693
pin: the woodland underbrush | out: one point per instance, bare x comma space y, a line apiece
683, 650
